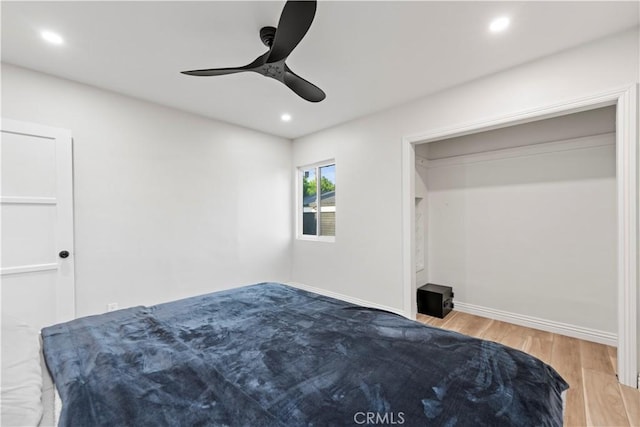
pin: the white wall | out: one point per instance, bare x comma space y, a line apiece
366, 259
167, 204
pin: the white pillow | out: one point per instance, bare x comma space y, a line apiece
21, 387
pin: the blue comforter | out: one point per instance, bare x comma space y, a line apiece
272, 355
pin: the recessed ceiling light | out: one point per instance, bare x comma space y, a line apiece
285, 117
51, 37
499, 24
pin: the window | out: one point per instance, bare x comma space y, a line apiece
317, 206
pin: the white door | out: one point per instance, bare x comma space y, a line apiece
37, 224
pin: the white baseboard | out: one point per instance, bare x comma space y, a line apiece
574, 331
343, 297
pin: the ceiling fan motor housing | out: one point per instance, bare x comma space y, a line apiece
273, 69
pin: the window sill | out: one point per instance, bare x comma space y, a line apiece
326, 239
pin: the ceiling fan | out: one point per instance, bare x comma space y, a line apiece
295, 20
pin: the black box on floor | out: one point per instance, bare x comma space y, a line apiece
435, 300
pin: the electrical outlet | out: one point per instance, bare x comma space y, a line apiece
112, 306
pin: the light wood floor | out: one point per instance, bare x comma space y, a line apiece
595, 398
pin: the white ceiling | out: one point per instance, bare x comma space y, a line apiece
367, 56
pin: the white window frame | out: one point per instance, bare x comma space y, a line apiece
299, 207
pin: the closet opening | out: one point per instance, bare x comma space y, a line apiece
532, 221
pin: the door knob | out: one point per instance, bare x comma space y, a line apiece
63, 254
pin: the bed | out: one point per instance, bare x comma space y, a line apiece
270, 354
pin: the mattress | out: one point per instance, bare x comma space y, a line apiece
50, 399
269, 354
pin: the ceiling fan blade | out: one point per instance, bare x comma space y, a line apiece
260, 60
295, 20
303, 88
213, 72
